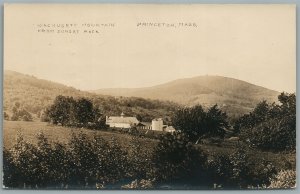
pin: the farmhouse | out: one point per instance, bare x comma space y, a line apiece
121, 121
129, 122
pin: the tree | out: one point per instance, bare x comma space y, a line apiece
271, 126
139, 117
5, 116
176, 160
196, 123
260, 113
71, 112
84, 111
59, 111
21, 114
216, 122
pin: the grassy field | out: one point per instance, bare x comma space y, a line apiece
30, 130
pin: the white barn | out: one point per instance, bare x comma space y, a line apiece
121, 121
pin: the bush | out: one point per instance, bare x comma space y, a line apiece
96, 160
273, 135
22, 115
176, 160
284, 179
139, 158
271, 126
11, 175
5, 116
221, 169
238, 170
85, 163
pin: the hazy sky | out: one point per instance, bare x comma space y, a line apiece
248, 42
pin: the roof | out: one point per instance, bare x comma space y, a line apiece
116, 119
170, 128
146, 123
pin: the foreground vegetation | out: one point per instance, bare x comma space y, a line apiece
65, 158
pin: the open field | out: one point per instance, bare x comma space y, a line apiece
29, 130
54, 133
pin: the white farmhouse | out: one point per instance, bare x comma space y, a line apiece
121, 121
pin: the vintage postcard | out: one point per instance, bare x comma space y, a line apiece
149, 96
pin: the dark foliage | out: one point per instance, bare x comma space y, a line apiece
5, 116
270, 126
176, 160
62, 110
238, 171
81, 112
87, 162
197, 123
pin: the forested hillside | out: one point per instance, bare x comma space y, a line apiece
35, 95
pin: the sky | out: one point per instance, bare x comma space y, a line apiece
113, 46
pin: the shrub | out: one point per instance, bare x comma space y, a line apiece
139, 158
25, 158
87, 161
11, 175
176, 160
5, 116
262, 173
96, 161
21, 114
271, 126
221, 169
238, 170
284, 179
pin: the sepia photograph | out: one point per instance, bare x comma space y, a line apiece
149, 97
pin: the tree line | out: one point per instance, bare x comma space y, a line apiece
268, 126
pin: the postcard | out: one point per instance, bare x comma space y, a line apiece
149, 96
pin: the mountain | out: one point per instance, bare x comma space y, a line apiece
232, 95
31, 92
35, 95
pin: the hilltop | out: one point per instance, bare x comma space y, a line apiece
232, 95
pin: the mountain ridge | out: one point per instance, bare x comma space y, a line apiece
205, 90
234, 96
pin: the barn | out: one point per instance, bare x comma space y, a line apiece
121, 121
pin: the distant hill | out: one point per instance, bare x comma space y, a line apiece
35, 95
232, 95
